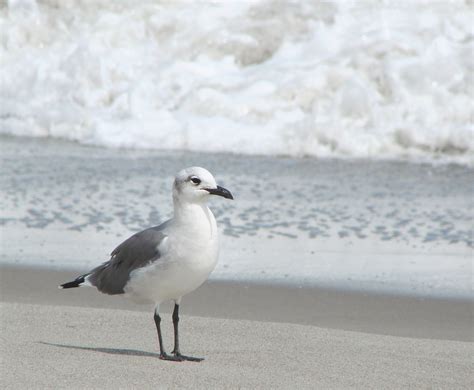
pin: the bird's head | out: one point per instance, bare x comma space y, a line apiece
196, 185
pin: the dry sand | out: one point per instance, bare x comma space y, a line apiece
73, 347
69, 339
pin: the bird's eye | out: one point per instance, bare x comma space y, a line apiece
196, 180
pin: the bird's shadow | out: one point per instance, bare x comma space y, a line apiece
113, 351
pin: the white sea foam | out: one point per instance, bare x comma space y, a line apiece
359, 79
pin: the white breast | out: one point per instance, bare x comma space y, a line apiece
189, 255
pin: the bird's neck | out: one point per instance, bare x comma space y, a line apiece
193, 214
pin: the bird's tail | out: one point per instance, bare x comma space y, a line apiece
75, 283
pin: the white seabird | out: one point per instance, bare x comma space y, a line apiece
168, 261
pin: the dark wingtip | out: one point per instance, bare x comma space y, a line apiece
70, 284
75, 283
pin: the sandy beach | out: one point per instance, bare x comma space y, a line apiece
69, 347
361, 281
61, 339
343, 133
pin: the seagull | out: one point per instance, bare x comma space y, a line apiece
167, 261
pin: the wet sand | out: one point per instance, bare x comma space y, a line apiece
407, 316
377, 226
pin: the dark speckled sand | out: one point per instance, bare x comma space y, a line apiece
364, 225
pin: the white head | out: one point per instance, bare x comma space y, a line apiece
196, 185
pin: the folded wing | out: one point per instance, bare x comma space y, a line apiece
137, 251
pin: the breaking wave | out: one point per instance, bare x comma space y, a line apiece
369, 79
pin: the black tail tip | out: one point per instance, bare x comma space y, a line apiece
70, 284
75, 283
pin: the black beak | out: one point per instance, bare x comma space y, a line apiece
221, 191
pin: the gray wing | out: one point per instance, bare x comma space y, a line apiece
135, 252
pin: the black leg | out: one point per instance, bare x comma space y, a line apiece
176, 350
163, 354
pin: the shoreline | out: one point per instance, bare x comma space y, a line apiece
431, 161
392, 227
332, 308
